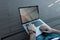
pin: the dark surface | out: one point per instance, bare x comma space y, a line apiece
9, 15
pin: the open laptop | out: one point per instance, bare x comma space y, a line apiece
30, 15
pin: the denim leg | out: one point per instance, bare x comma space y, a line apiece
51, 36
40, 37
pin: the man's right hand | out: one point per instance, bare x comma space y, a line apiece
46, 28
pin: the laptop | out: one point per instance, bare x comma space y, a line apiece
30, 15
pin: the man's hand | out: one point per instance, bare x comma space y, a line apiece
31, 27
46, 28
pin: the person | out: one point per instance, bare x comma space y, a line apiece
44, 28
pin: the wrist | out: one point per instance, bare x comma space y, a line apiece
32, 32
54, 31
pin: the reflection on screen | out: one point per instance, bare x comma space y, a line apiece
28, 14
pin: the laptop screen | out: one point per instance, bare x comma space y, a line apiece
29, 13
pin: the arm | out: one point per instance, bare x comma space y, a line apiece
48, 29
32, 32
32, 36
56, 31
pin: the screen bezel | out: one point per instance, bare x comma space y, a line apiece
27, 7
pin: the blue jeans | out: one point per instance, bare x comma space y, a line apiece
47, 37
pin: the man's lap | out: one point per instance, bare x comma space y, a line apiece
47, 37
